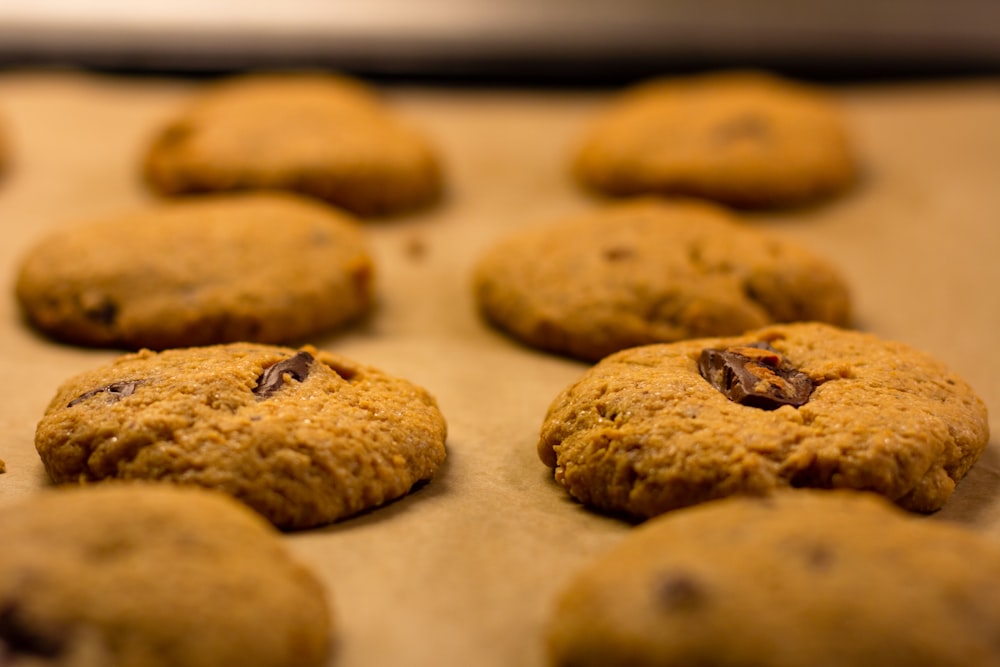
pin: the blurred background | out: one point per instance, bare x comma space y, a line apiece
548, 41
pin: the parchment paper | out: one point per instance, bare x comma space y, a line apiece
464, 570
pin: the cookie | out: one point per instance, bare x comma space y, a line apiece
322, 135
660, 427
805, 578
650, 271
305, 437
268, 268
151, 575
747, 139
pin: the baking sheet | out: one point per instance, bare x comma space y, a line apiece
464, 570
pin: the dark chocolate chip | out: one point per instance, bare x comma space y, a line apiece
17, 637
680, 592
105, 312
819, 557
175, 134
618, 253
273, 377
115, 391
755, 375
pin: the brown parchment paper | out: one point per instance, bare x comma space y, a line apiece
464, 570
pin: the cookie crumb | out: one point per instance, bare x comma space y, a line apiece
415, 248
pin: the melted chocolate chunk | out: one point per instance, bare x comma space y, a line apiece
104, 313
273, 377
19, 638
115, 391
755, 375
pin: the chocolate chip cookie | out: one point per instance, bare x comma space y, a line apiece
323, 135
131, 574
650, 271
268, 268
305, 437
802, 578
659, 427
747, 139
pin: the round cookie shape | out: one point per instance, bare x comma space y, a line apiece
650, 271
322, 135
643, 432
263, 267
824, 578
305, 437
747, 139
133, 574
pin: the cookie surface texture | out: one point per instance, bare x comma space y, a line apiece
644, 432
267, 268
326, 136
649, 271
826, 578
746, 139
305, 437
129, 575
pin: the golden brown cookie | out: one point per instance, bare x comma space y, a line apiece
129, 574
650, 271
305, 437
659, 427
747, 139
828, 578
323, 135
266, 267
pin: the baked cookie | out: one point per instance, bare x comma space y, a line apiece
650, 271
655, 428
267, 268
747, 139
150, 575
322, 135
803, 578
305, 437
